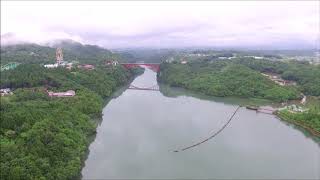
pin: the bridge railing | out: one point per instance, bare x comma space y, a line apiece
152, 88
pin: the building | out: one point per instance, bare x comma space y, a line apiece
278, 80
108, 63
51, 65
184, 62
86, 66
69, 93
115, 63
9, 66
5, 92
257, 57
295, 109
112, 62
59, 60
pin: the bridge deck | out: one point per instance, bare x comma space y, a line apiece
152, 88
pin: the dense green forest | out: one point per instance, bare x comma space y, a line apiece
224, 78
72, 51
46, 138
241, 77
307, 76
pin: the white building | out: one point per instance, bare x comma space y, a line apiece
257, 57
51, 65
5, 91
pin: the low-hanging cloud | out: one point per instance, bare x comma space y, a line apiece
165, 24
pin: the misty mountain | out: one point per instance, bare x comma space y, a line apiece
72, 51
10, 39
146, 55
81, 51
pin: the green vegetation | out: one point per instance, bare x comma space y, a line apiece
242, 78
72, 51
307, 76
46, 138
224, 78
309, 120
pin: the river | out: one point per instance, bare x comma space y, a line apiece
141, 129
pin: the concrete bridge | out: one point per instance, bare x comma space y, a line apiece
152, 88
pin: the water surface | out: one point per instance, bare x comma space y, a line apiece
140, 130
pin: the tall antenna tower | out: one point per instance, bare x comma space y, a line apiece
59, 55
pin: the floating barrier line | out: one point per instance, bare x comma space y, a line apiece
212, 136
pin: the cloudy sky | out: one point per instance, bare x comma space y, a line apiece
282, 24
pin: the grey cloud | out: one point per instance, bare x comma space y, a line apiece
246, 24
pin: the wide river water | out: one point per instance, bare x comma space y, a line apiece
141, 129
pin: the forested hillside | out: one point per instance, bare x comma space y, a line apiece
27, 53
224, 78
307, 76
44, 137
72, 51
85, 53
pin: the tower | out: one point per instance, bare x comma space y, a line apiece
59, 55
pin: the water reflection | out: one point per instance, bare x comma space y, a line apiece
141, 128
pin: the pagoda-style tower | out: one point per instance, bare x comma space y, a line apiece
59, 55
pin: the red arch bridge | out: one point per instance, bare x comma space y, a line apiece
153, 66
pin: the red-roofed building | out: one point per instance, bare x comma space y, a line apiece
86, 66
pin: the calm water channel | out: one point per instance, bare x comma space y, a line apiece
140, 129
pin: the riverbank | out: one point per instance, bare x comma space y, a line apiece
139, 143
305, 127
225, 80
176, 92
46, 137
308, 119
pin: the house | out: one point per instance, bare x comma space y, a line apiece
295, 109
69, 66
278, 80
184, 62
112, 62
51, 65
222, 57
5, 92
69, 93
257, 57
108, 63
86, 66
